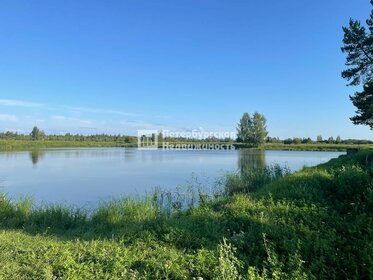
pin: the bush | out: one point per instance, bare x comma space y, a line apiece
352, 183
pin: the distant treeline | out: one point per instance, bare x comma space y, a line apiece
40, 135
69, 137
319, 140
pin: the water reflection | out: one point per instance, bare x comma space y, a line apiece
251, 159
36, 156
89, 175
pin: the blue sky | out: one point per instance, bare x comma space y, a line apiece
118, 66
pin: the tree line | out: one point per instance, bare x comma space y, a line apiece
39, 135
251, 131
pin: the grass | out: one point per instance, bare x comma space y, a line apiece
16, 145
11, 145
250, 180
316, 147
266, 224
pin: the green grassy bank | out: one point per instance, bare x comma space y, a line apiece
14, 145
17, 145
265, 224
316, 147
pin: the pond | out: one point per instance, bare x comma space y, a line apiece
86, 176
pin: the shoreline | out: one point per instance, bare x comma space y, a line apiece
21, 145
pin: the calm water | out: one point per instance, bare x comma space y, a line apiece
84, 177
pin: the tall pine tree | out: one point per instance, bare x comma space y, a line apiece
358, 45
364, 102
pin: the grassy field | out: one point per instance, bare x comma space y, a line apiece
264, 224
9, 145
316, 147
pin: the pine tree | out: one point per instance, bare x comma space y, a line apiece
363, 101
358, 45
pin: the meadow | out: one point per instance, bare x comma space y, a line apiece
16, 145
19, 145
259, 224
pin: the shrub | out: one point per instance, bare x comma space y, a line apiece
229, 265
351, 183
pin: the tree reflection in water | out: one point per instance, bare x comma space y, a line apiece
251, 159
36, 156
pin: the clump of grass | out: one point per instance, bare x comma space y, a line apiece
252, 179
21, 213
57, 217
118, 212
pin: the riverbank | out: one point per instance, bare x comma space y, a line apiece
22, 145
14, 145
267, 224
316, 147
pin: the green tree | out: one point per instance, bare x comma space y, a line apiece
36, 134
358, 46
363, 101
307, 140
297, 140
253, 130
338, 140
245, 129
160, 137
259, 129
319, 138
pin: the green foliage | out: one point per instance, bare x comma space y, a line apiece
122, 211
13, 141
352, 182
363, 101
229, 265
315, 147
251, 179
260, 129
34, 146
245, 129
358, 45
252, 130
36, 134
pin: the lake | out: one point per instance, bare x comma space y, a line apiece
86, 176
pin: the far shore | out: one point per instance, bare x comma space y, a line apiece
24, 145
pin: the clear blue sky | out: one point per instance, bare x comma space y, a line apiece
118, 66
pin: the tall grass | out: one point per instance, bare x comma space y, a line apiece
17, 145
251, 179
